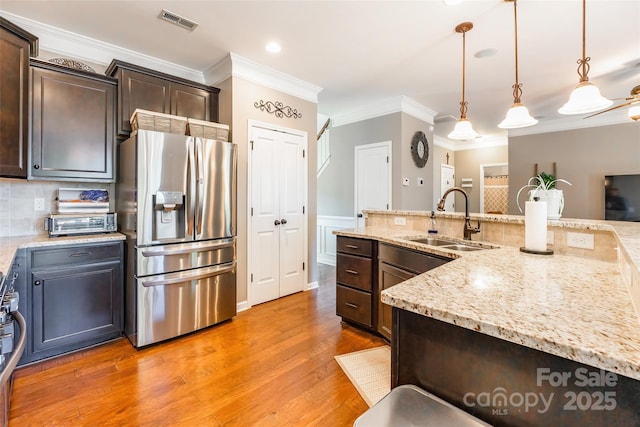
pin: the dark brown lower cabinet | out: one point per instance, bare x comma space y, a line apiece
356, 281
395, 265
507, 384
74, 298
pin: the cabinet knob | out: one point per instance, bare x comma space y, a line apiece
276, 222
36, 166
37, 283
283, 221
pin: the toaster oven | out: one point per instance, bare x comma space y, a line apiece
74, 224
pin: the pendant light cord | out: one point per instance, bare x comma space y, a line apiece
463, 28
517, 87
463, 103
583, 63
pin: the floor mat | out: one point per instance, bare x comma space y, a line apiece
369, 371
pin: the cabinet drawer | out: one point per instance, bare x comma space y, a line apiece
353, 305
354, 246
75, 255
354, 271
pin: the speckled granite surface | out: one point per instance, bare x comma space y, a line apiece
568, 306
8, 245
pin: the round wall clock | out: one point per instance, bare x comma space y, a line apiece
420, 149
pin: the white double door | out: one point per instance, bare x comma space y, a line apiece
278, 219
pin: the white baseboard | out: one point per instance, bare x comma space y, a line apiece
312, 285
242, 306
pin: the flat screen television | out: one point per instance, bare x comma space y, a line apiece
622, 197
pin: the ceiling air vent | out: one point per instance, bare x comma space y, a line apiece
178, 20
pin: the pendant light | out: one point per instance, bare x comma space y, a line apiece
586, 97
518, 115
463, 128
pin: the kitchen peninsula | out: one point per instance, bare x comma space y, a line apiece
516, 338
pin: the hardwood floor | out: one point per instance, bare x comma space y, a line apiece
271, 365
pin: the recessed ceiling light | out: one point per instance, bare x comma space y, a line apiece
273, 47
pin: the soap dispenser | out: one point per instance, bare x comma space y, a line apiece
432, 224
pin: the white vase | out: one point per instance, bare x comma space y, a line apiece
554, 199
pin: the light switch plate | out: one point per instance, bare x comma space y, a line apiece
580, 240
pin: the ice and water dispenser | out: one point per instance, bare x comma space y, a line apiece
169, 215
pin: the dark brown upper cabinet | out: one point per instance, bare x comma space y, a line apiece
146, 89
72, 124
16, 46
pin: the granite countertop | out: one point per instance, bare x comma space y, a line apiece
9, 245
569, 306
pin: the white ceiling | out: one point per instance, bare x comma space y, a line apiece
362, 52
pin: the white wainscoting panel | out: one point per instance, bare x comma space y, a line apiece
327, 240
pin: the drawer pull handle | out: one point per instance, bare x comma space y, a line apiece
352, 272
352, 246
79, 254
352, 305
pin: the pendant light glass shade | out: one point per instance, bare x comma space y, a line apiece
518, 115
634, 112
463, 128
585, 98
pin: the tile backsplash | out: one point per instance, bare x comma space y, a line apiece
17, 197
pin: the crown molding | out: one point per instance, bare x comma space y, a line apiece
66, 43
238, 66
382, 108
574, 122
444, 143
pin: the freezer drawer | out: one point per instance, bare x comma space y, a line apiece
183, 256
169, 305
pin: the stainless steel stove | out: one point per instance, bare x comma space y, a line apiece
12, 339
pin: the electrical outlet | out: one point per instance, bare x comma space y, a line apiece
38, 204
580, 240
400, 220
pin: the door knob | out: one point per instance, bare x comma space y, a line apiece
283, 221
276, 222
359, 215
37, 283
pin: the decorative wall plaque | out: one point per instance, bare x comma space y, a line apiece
277, 108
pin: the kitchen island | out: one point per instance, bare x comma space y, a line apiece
521, 339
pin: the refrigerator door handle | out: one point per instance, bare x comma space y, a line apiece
207, 248
191, 275
200, 185
191, 187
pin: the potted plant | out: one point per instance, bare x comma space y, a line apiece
544, 188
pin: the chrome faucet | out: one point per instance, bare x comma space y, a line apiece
468, 228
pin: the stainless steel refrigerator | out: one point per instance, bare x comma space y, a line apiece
176, 203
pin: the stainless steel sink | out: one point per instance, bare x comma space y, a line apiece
433, 241
449, 244
460, 247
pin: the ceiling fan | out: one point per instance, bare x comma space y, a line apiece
633, 102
